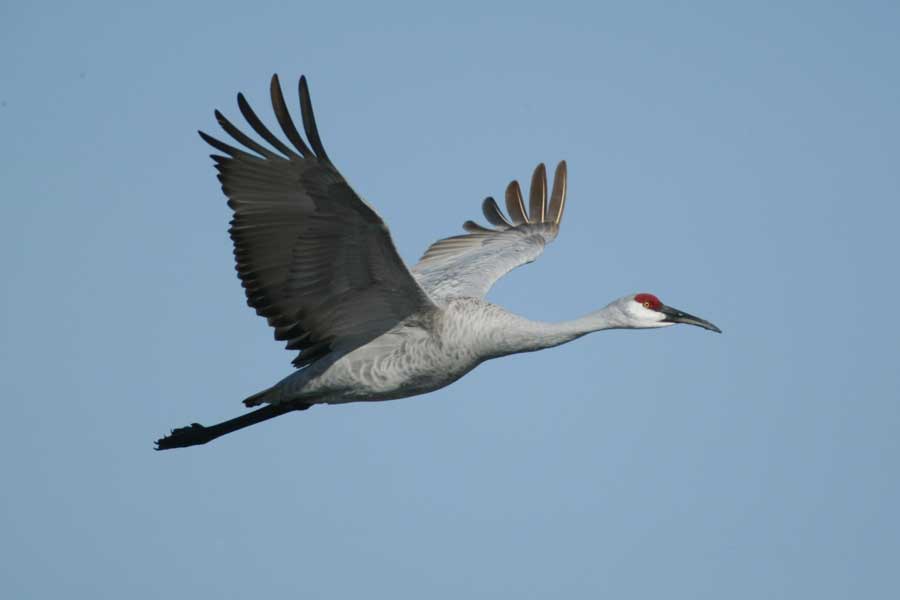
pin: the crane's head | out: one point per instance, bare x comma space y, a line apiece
645, 310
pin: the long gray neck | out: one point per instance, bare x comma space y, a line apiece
518, 334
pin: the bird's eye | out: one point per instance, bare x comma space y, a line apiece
647, 304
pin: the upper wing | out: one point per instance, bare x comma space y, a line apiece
313, 257
468, 265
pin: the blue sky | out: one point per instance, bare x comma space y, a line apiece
739, 161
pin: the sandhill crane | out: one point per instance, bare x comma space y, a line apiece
319, 264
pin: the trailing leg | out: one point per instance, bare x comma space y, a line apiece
196, 434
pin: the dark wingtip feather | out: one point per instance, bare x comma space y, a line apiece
309, 121
221, 146
515, 205
260, 128
493, 213
473, 227
558, 197
241, 137
537, 196
284, 117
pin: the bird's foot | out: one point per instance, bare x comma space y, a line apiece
193, 434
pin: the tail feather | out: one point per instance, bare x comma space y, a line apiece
257, 398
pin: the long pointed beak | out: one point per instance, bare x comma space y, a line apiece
673, 315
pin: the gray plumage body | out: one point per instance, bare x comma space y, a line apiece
422, 354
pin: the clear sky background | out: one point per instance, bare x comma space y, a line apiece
740, 160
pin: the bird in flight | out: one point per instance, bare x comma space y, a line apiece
319, 264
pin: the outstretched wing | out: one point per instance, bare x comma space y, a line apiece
315, 260
468, 265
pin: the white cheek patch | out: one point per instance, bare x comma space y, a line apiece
647, 317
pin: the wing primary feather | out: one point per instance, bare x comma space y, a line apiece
309, 122
493, 214
284, 118
537, 196
241, 137
514, 203
473, 227
222, 146
260, 128
558, 198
